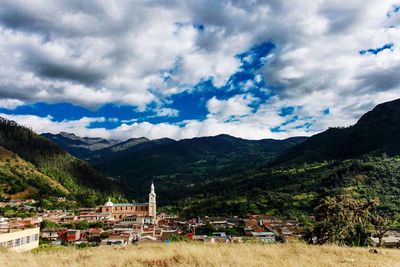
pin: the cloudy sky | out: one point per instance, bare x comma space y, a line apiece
179, 69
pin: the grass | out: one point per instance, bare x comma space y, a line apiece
199, 254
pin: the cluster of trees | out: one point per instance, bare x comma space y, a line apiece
209, 229
345, 220
80, 225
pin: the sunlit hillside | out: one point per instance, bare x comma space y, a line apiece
189, 254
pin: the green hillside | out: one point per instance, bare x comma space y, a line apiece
377, 132
33, 166
361, 160
188, 162
294, 190
227, 175
21, 179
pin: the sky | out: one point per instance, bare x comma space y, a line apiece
182, 69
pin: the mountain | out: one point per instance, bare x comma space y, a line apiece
362, 160
81, 147
178, 164
376, 132
188, 161
127, 147
226, 175
33, 166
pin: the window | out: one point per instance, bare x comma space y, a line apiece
10, 243
3, 244
17, 242
36, 237
28, 239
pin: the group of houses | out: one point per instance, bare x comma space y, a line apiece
120, 224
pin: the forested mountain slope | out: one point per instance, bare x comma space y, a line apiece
30, 161
376, 132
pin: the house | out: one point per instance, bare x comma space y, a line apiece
53, 234
387, 241
220, 237
20, 239
162, 215
266, 237
69, 218
148, 239
252, 225
61, 199
3, 220
390, 239
86, 210
95, 217
94, 233
118, 234
73, 235
165, 234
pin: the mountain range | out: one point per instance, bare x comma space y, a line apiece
137, 161
212, 175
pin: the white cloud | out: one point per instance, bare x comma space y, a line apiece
167, 112
95, 52
10, 103
188, 129
233, 107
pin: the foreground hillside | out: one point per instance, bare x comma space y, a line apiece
191, 254
21, 179
33, 166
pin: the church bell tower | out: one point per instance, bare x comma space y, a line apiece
152, 203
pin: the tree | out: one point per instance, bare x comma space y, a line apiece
340, 219
48, 224
381, 223
82, 225
207, 229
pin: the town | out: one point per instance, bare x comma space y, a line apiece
120, 224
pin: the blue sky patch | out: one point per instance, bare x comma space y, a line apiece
376, 50
191, 104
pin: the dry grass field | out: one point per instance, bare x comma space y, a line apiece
193, 254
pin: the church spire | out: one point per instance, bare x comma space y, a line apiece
152, 203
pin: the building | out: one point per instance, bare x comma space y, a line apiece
121, 210
264, 236
20, 239
53, 234
95, 217
73, 235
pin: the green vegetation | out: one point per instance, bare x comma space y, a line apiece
293, 191
32, 166
377, 132
219, 175
188, 162
345, 220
